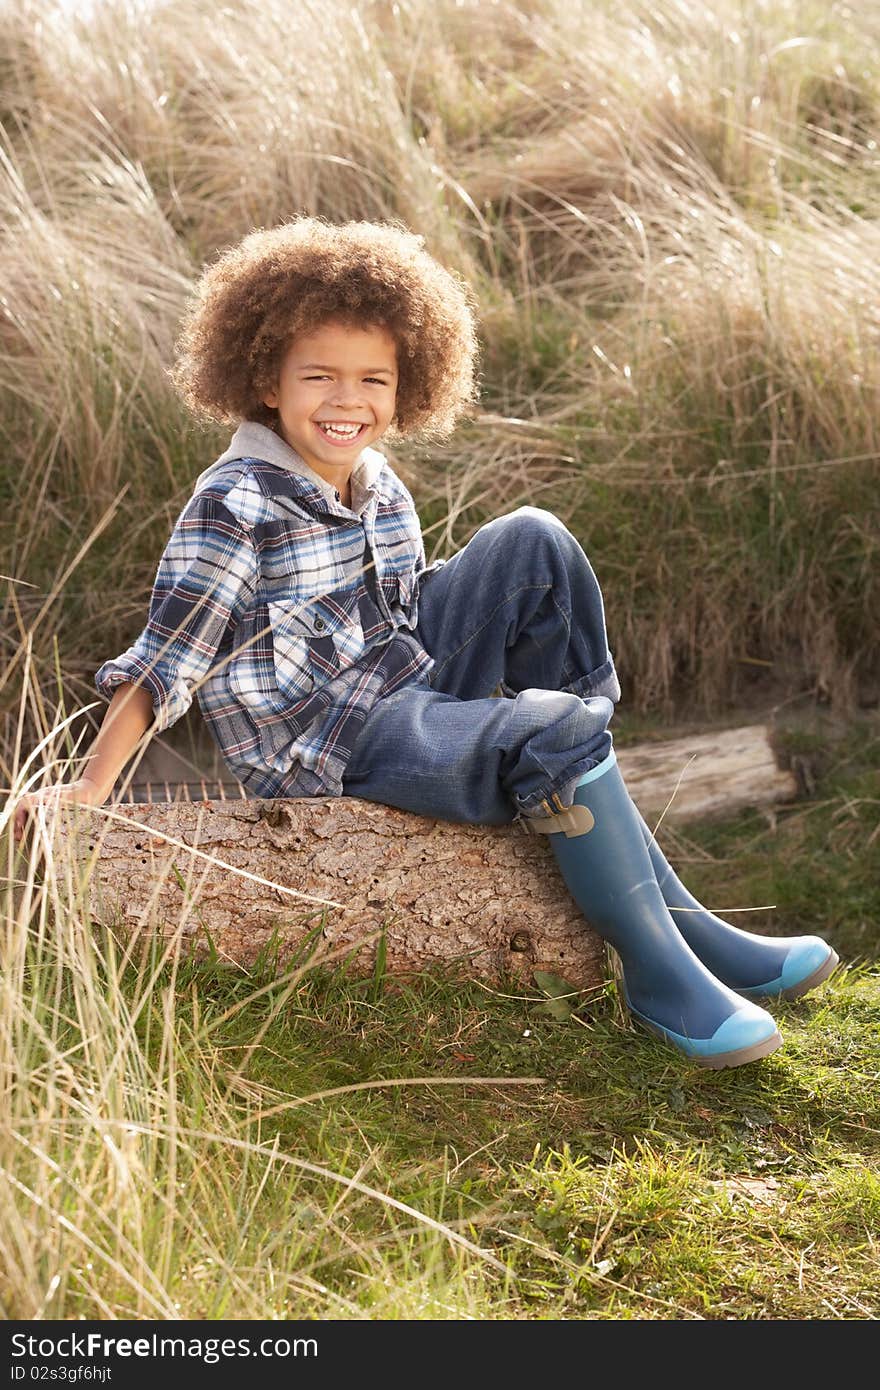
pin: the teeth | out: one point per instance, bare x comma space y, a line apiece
341, 431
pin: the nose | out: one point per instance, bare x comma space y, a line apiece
346, 395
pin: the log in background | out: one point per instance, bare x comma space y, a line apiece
486, 900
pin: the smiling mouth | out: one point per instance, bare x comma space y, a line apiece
340, 434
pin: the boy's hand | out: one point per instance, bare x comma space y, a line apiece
82, 793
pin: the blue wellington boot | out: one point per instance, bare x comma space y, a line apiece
762, 967
607, 868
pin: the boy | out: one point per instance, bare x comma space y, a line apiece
293, 596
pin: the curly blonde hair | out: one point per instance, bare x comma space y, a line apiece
256, 297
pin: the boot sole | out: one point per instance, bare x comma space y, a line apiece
744, 1055
738, 1058
817, 978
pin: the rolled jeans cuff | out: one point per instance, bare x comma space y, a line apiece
559, 796
602, 681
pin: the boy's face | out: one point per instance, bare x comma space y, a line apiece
336, 375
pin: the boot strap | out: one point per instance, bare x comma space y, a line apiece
576, 820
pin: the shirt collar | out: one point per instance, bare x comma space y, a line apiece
253, 440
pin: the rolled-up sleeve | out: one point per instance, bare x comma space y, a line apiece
205, 580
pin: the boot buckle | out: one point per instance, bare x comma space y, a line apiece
575, 820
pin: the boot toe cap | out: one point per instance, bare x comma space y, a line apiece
745, 1036
743, 1031
809, 962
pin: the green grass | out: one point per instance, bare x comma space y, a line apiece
622, 1141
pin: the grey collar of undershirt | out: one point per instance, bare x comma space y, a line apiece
253, 440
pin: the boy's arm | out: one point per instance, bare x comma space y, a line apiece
128, 717
205, 578
204, 582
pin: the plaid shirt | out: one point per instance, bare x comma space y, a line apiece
288, 613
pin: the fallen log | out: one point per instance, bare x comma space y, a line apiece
237, 874
706, 776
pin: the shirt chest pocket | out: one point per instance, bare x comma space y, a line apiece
314, 642
405, 588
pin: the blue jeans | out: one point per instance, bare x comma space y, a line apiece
518, 608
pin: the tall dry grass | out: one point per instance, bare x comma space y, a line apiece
669, 213
136, 1176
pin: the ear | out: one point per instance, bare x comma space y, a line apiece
271, 398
